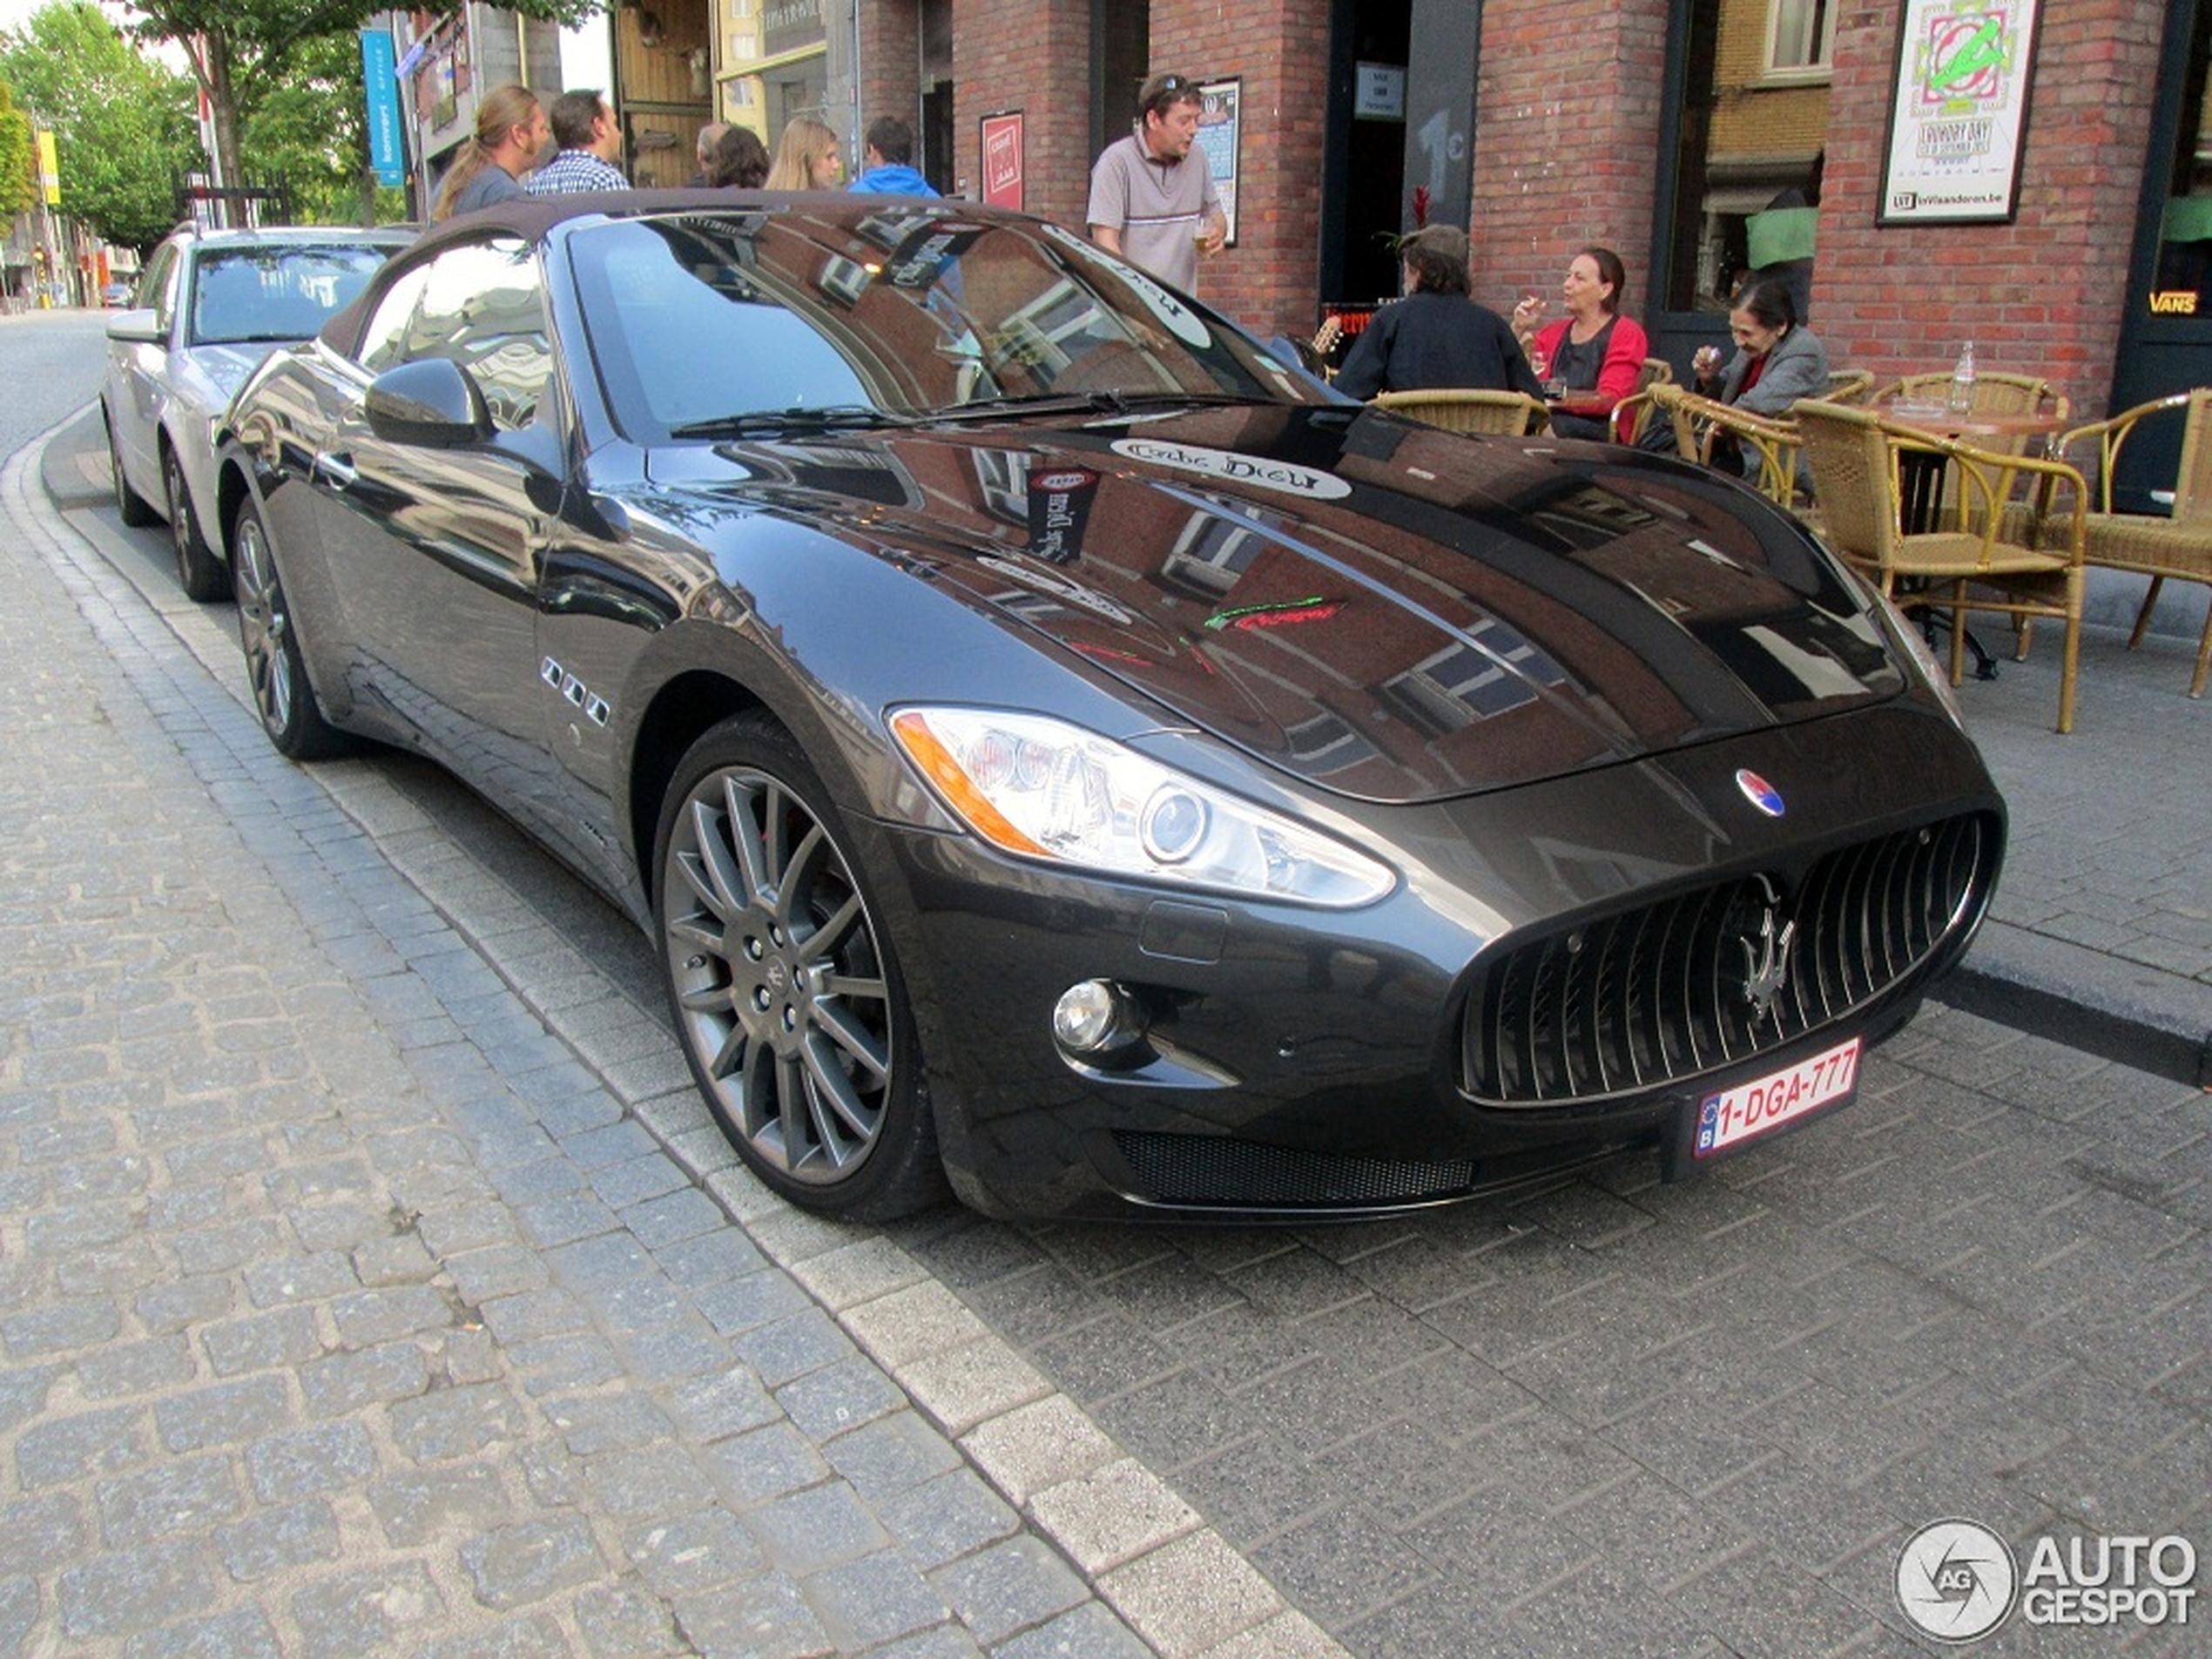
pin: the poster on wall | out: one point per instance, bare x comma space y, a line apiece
1959, 115
1003, 160
1218, 129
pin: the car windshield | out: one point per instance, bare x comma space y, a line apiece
274, 291
708, 325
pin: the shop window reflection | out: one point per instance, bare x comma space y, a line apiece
1493, 672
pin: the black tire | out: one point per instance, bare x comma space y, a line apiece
278, 674
129, 506
202, 575
781, 977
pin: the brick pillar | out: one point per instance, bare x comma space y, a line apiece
2043, 295
1032, 56
889, 48
1280, 48
1567, 101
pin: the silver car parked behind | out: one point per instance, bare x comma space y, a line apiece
212, 305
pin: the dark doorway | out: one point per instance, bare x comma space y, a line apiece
1741, 138
937, 135
1121, 56
2165, 332
1363, 203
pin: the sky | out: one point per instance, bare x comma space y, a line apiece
13, 13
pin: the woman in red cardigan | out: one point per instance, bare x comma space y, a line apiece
1589, 358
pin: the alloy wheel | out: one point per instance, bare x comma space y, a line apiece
778, 976
261, 627
198, 571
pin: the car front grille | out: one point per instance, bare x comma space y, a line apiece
1635, 1000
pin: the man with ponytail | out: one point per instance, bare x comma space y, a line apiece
511, 131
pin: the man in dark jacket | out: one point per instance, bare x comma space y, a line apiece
1436, 337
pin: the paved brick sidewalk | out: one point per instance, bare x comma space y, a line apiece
344, 1310
2102, 928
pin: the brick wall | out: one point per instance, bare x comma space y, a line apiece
2042, 295
1565, 157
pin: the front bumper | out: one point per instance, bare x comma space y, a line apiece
1301, 1063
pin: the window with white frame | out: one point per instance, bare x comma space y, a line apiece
1803, 35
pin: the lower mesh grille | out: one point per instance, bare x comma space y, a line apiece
1212, 1170
1635, 1000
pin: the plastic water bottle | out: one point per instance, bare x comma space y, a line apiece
1962, 381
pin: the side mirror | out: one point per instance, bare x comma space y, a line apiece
139, 326
432, 403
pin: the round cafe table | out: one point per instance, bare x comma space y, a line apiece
1920, 476
1945, 423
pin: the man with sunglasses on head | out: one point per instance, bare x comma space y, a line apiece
1152, 198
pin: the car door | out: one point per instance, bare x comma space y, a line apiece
139, 371
433, 555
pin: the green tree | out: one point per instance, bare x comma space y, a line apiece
248, 47
122, 123
313, 132
18, 159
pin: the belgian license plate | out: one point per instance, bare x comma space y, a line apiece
1737, 1115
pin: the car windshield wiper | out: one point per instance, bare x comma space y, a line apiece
746, 424
1101, 401
1189, 400
993, 408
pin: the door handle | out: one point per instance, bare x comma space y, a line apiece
337, 471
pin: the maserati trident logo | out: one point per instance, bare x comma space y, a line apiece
1766, 960
1761, 793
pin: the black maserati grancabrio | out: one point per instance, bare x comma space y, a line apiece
1063, 751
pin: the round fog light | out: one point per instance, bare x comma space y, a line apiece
1092, 1016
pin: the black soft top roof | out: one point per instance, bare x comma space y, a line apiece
531, 217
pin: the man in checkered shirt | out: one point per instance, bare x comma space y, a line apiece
591, 139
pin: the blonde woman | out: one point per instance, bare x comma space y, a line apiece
511, 131
807, 157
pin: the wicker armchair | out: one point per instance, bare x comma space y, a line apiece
1629, 416
1854, 455
1850, 385
1702, 423
2180, 547
1515, 414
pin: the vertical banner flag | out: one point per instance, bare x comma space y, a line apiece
49, 168
386, 152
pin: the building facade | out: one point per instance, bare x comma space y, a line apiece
1659, 128
448, 60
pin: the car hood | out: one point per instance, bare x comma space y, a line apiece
1386, 610
226, 367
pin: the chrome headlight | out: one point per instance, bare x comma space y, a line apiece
1915, 641
1039, 788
